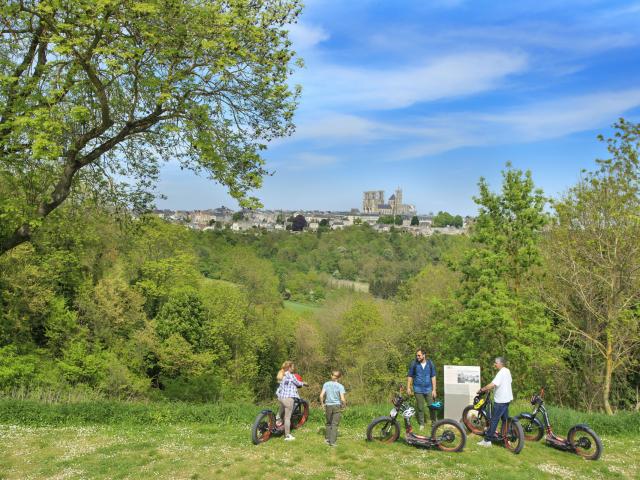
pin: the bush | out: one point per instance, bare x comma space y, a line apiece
200, 389
15, 369
102, 412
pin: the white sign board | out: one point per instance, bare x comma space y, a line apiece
460, 386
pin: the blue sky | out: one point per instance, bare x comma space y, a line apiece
430, 95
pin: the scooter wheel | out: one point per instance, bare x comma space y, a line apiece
585, 442
448, 435
262, 427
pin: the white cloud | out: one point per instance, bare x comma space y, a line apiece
305, 36
447, 76
555, 119
339, 128
431, 135
540, 121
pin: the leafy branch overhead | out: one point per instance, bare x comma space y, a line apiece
94, 92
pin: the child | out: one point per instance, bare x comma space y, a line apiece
333, 401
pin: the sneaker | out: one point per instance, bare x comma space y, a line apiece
289, 438
484, 443
421, 427
333, 444
326, 440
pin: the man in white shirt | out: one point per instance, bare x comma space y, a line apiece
501, 399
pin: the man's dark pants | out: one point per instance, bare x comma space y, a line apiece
332, 414
421, 399
500, 411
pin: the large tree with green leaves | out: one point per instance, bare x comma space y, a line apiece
500, 314
593, 259
94, 95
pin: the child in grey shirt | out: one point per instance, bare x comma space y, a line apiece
333, 401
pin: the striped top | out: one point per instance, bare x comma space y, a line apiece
289, 386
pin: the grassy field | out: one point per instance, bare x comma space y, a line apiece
75, 448
300, 307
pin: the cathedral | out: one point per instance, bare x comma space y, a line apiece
373, 202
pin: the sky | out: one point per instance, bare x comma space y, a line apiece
431, 95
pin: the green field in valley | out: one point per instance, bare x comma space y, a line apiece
300, 307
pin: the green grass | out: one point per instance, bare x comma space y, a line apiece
195, 451
300, 307
119, 440
105, 412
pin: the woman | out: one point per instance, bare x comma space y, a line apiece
287, 391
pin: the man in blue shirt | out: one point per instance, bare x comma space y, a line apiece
421, 380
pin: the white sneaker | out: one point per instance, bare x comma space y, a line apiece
484, 443
289, 438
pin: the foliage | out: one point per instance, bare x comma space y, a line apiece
445, 219
298, 223
93, 92
101, 305
390, 220
593, 260
499, 314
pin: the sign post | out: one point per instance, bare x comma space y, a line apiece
460, 386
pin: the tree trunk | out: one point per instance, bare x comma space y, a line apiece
608, 373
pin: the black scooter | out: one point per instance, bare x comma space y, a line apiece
265, 426
447, 435
581, 439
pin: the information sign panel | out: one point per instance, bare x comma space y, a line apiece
461, 382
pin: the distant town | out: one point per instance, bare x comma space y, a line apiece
381, 215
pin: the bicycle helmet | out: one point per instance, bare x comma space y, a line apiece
437, 405
478, 401
409, 412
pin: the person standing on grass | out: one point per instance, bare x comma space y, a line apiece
286, 392
501, 399
333, 401
421, 381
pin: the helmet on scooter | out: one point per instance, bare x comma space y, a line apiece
409, 412
437, 405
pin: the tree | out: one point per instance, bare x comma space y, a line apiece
390, 220
445, 219
183, 314
415, 221
500, 313
95, 92
593, 256
299, 223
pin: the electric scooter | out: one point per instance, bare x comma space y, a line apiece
447, 435
581, 439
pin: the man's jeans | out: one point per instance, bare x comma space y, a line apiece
332, 414
421, 399
500, 411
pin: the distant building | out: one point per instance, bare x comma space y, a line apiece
373, 202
